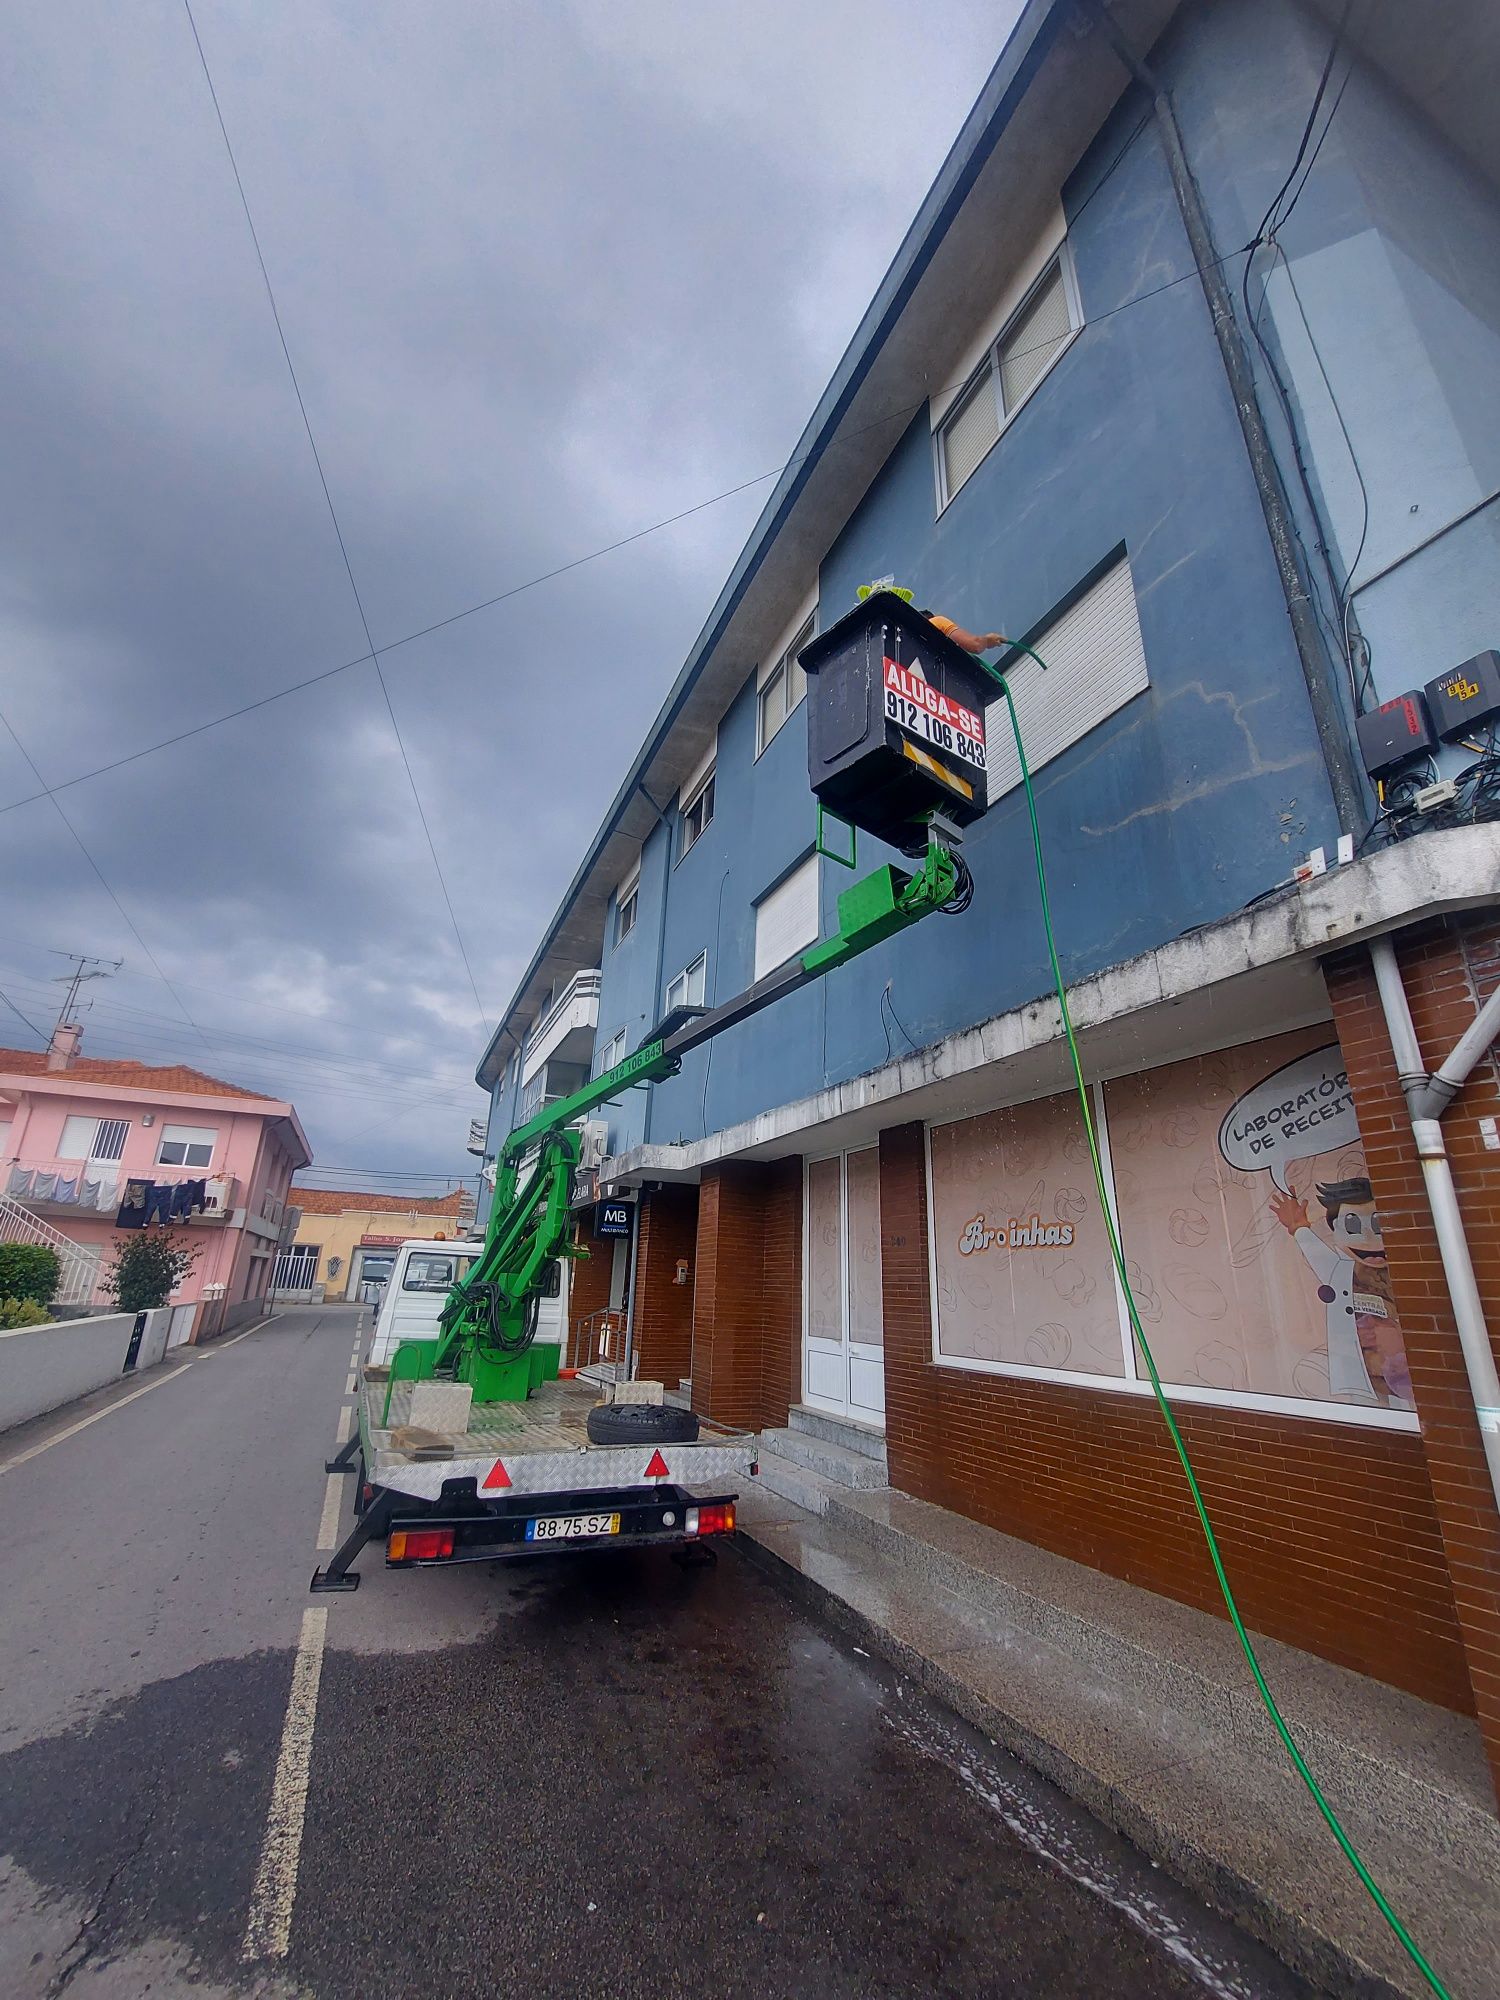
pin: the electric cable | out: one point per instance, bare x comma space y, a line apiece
1268, 1700
374, 654
41, 1034
390, 646
78, 840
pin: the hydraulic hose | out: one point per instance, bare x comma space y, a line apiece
1278, 1721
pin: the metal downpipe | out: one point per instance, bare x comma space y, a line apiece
1426, 1106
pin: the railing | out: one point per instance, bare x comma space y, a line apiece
582, 986
599, 1339
78, 1267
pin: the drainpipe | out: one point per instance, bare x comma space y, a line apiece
635, 1247
1322, 691
1427, 1098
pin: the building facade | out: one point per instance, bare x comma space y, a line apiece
347, 1239
82, 1138
1232, 478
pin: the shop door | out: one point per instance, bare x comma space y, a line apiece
843, 1366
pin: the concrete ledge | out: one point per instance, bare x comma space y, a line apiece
43, 1367
1143, 1711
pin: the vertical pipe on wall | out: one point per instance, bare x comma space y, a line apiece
1437, 1178
1322, 689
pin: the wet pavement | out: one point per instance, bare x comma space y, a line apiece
583, 1776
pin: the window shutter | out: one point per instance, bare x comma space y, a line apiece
1096, 663
77, 1140
1027, 349
970, 431
786, 921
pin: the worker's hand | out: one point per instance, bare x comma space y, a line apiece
987, 641
1289, 1212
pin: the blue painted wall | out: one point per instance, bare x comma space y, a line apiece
1201, 792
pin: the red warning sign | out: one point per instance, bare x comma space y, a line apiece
496, 1477
658, 1468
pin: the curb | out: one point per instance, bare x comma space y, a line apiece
1308, 1951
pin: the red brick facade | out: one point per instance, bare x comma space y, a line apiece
747, 1306
663, 1308
588, 1286
1448, 970
1328, 1530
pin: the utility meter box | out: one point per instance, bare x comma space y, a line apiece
1395, 733
1468, 696
895, 725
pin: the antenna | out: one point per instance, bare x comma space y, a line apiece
84, 969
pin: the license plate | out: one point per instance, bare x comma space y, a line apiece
563, 1527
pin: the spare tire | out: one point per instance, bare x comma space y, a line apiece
641, 1423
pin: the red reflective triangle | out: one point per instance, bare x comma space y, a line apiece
497, 1476
658, 1468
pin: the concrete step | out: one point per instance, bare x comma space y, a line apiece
834, 1462
793, 1482
838, 1430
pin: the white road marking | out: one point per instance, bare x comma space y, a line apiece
73, 1429
269, 1929
333, 1506
349, 1385
346, 1424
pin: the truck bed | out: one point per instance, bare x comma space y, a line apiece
539, 1446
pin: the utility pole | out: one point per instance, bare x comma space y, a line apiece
84, 969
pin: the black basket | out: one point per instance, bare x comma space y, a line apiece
895, 725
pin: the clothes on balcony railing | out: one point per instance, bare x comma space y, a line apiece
78, 1189
156, 1201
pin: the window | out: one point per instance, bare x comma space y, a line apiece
625, 911
782, 688
786, 920
687, 989
431, 1271
1097, 662
93, 1138
186, 1146
1031, 340
698, 812
612, 1052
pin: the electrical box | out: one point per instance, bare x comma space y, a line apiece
1468, 696
895, 725
1395, 733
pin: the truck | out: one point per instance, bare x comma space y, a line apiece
472, 1443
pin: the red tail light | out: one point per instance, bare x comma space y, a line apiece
419, 1545
716, 1520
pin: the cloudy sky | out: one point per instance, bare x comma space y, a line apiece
548, 272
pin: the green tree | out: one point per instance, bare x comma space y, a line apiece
29, 1271
148, 1266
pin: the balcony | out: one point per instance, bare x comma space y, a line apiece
61, 1188
478, 1129
565, 1029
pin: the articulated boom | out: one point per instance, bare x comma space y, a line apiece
488, 1324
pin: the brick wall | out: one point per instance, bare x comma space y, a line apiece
1448, 970
663, 1308
588, 1285
747, 1306
1328, 1530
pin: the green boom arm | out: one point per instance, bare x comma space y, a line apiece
489, 1318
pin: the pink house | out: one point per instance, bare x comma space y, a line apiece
82, 1141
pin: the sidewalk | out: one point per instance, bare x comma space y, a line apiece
1144, 1711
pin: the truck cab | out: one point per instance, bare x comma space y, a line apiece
422, 1275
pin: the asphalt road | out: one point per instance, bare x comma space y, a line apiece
592, 1777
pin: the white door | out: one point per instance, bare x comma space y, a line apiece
843, 1368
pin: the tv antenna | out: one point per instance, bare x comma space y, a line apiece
84, 969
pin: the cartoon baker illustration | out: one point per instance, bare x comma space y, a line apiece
1346, 1253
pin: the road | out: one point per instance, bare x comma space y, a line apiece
592, 1777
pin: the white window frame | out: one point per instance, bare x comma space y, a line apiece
612, 1052
629, 901
778, 667
1056, 255
690, 804
684, 979
1133, 1383
187, 1145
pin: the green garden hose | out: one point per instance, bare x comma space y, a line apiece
1351, 1854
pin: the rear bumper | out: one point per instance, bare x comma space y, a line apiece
496, 1530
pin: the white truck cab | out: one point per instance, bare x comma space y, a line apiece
421, 1277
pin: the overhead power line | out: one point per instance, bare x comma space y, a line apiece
373, 654
389, 646
41, 1033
